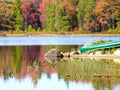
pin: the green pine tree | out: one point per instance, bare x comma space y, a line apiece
57, 15
89, 13
65, 24
118, 17
81, 7
62, 21
50, 17
17, 15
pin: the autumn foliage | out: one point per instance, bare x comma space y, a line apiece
68, 15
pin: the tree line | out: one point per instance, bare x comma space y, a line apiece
60, 15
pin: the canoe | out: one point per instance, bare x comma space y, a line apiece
100, 46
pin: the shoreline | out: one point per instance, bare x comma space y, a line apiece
108, 56
115, 58
17, 34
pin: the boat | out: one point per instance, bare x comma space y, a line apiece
105, 45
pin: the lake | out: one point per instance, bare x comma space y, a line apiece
23, 66
53, 40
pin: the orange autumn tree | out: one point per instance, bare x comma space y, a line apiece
104, 12
6, 19
60, 15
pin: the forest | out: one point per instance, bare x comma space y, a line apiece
60, 15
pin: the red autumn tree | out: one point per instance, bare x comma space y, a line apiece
42, 9
31, 14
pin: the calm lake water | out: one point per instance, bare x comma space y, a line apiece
23, 67
53, 40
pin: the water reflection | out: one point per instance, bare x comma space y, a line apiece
24, 68
44, 84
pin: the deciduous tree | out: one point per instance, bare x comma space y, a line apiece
6, 20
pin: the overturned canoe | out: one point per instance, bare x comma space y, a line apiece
100, 46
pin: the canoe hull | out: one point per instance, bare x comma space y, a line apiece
100, 46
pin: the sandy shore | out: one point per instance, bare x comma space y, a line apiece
107, 56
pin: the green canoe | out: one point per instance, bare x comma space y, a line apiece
100, 46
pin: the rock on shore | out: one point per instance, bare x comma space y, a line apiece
117, 52
54, 53
53, 56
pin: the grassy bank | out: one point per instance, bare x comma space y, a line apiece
4, 33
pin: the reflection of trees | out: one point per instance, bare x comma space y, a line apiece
20, 61
103, 83
16, 60
64, 48
10, 61
102, 73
